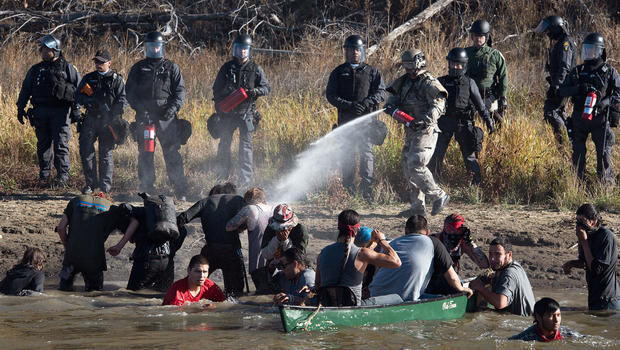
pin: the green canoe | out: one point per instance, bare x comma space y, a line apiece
442, 308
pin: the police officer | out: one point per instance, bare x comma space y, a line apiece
240, 72
50, 87
562, 58
463, 96
487, 67
102, 92
601, 79
417, 99
156, 91
356, 89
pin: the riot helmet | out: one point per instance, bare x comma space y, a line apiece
593, 48
352, 44
413, 61
154, 45
481, 28
52, 43
457, 62
554, 26
242, 46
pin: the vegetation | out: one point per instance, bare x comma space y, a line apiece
521, 164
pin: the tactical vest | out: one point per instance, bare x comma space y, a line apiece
241, 76
50, 85
104, 92
353, 83
411, 93
598, 78
458, 104
479, 67
154, 79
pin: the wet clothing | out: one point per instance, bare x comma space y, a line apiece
513, 283
487, 67
272, 248
442, 261
156, 91
179, 294
106, 104
255, 218
22, 277
50, 88
410, 279
561, 60
605, 79
423, 98
223, 248
292, 287
332, 273
348, 85
603, 287
231, 76
463, 97
533, 333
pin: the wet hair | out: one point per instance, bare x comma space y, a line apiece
295, 254
33, 257
503, 241
416, 223
589, 212
544, 306
347, 217
254, 195
197, 260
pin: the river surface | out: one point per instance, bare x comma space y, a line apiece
118, 319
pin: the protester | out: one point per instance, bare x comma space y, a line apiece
253, 217
222, 248
547, 320
26, 276
294, 274
598, 254
420, 256
195, 286
511, 290
342, 264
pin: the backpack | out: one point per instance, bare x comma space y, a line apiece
161, 223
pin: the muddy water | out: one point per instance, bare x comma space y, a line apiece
118, 319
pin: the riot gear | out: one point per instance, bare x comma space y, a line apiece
481, 27
52, 43
554, 26
154, 45
593, 47
413, 60
355, 42
243, 42
455, 57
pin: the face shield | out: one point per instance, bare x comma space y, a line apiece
154, 50
241, 51
354, 55
542, 26
591, 52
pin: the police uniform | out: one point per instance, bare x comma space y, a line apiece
50, 87
231, 76
107, 103
463, 96
487, 67
605, 79
424, 98
346, 85
155, 89
562, 58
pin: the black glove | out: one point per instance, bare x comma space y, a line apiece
389, 109
359, 108
502, 105
604, 103
586, 88
170, 113
252, 93
551, 93
490, 124
76, 116
20, 116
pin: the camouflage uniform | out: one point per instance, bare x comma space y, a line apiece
424, 98
487, 67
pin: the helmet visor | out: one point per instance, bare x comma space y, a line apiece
542, 26
354, 54
154, 50
241, 51
591, 52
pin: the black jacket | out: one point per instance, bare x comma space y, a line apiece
214, 212
22, 277
562, 58
232, 76
45, 81
109, 97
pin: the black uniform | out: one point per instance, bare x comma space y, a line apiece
463, 96
347, 85
106, 104
605, 79
223, 248
231, 76
562, 58
155, 89
603, 287
50, 87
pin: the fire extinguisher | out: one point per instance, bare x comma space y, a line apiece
233, 100
588, 106
402, 117
149, 137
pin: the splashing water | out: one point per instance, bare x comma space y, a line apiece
315, 166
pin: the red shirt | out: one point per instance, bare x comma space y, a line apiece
179, 294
